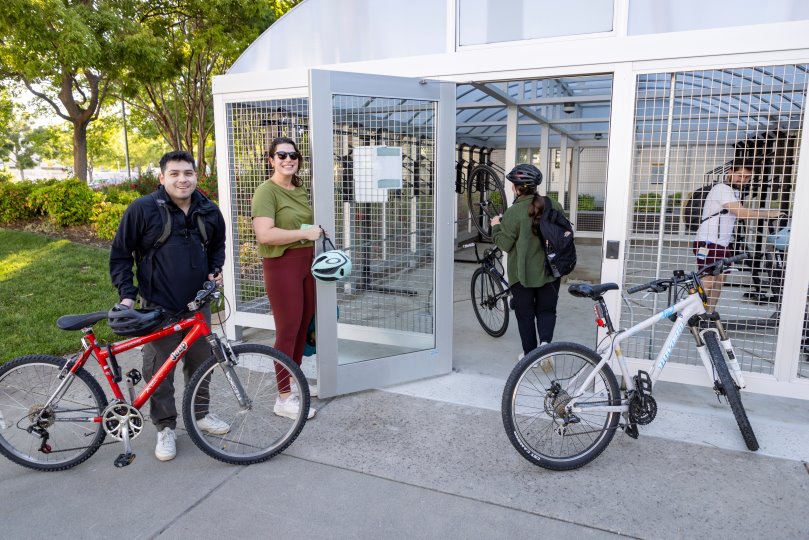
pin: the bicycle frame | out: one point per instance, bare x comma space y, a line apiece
684, 309
104, 355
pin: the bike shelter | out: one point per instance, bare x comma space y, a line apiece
626, 109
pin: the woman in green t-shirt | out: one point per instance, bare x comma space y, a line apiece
284, 225
535, 290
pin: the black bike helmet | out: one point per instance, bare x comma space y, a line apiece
126, 321
525, 174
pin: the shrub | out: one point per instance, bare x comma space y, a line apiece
67, 202
144, 184
648, 203
209, 186
13, 197
107, 218
586, 202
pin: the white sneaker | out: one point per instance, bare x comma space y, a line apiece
293, 389
547, 364
290, 407
519, 356
166, 448
213, 425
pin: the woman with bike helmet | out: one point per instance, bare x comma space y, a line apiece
284, 225
534, 289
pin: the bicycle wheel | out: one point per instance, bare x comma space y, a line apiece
256, 433
534, 400
26, 384
728, 388
490, 302
485, 198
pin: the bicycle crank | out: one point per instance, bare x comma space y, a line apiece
118, 415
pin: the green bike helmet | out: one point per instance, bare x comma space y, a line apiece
331, 265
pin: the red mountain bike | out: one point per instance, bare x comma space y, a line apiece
54, 414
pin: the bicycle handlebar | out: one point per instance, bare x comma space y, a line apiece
661, 285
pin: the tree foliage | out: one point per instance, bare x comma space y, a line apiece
198, 39
67, 52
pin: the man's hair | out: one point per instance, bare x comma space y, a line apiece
177, 155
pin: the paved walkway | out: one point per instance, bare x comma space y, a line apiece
431, 460
384, 465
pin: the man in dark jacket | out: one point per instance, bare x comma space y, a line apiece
169, 276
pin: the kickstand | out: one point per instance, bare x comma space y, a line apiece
127, 457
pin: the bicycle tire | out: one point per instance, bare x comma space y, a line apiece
256, 433
26, 383
489, 302
730, 390
484, 184
534, 396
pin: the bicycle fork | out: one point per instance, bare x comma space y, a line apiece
224, 355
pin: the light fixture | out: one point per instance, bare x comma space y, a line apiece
569, 107
598, 136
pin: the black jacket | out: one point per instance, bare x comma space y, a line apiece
171, 276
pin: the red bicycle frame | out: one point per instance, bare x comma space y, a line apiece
199, 329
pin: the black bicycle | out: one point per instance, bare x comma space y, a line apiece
485, 197
490, 291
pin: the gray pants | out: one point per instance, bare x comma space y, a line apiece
162, 408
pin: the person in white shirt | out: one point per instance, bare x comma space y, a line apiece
722, 208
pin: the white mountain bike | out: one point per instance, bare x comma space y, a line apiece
562, 403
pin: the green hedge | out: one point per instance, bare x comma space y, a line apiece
65, 203
14, 201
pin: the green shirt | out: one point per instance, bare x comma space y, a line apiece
289, 208
526, 256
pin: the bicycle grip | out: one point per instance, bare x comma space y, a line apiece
637, 288
736, 258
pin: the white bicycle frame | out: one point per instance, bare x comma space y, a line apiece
685, 309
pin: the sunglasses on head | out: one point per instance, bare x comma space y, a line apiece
291, 155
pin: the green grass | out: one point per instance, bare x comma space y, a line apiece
42, 279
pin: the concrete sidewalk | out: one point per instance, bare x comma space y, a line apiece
430, 459
383, 465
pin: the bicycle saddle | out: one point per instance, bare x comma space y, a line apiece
585, 290
77, 322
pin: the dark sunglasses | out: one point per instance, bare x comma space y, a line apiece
291, 155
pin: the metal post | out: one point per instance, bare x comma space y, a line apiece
126, 141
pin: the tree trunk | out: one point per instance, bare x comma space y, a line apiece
80, 150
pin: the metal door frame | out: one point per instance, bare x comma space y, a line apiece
335, 379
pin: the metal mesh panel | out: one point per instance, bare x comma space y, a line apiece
388, 228
592, 185
690, 127
251, 127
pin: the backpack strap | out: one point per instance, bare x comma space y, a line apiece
165, 216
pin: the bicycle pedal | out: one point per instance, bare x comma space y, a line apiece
631, 430
124, 459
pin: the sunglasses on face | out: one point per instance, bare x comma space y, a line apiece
291, 155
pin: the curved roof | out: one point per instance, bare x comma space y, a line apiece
322, 32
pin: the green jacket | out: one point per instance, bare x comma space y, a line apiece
515, 236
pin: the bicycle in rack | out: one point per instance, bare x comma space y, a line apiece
54, 414
485, 195
490, 291
562, 403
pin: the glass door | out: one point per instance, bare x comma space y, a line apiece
379, 145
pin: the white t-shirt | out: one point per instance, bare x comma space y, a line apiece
718, 229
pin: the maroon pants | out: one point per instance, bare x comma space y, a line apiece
291, 290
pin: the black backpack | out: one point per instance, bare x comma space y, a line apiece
692, 210
556, 234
